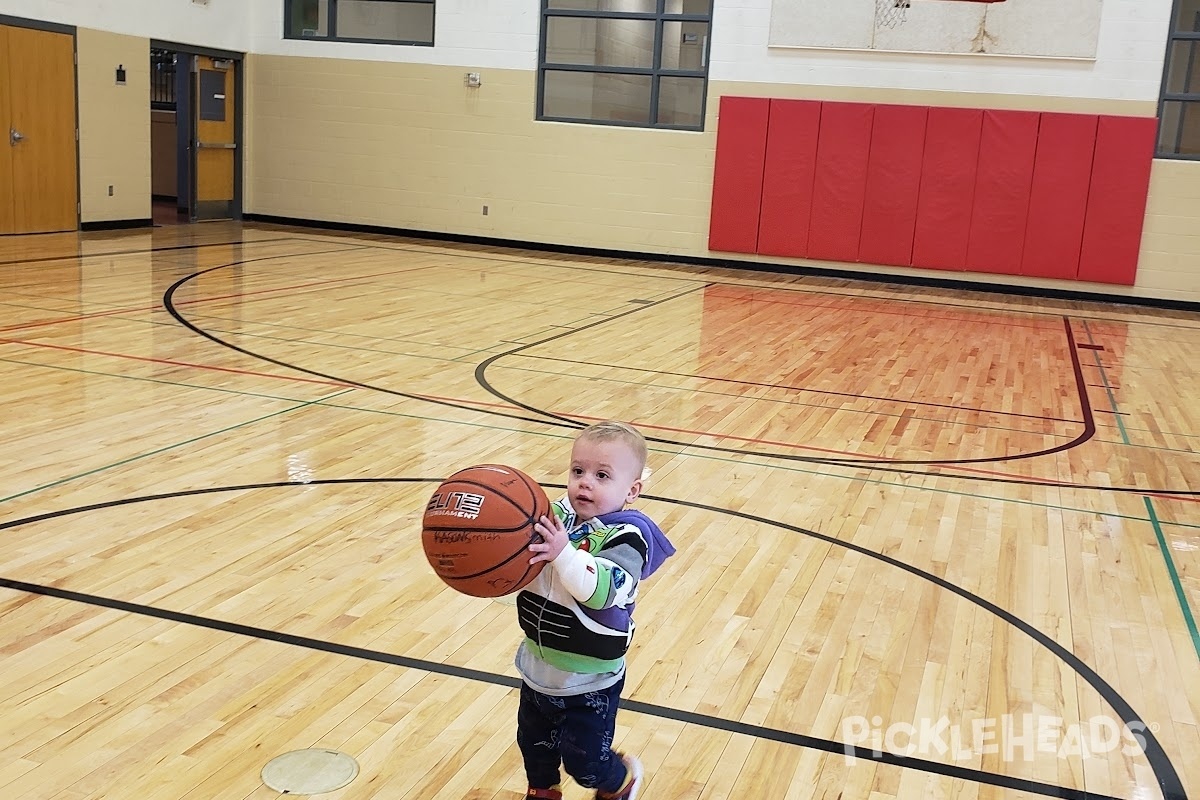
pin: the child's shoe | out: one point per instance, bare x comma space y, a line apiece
633, 781
544, 794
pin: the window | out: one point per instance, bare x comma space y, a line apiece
379, 21
639, 63
1179, 109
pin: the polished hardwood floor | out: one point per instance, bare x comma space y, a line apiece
932, 543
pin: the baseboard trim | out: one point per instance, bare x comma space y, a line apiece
115, 224
728, 263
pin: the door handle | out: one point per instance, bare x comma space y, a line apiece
216, 145
14, 136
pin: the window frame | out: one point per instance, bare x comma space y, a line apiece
332, 25
655, 71
1190, 100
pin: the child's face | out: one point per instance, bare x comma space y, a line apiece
603, 478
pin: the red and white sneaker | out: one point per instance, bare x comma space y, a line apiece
633, 781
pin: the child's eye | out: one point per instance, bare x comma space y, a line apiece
576, 471
602, 475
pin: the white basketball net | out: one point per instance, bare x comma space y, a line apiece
890, 13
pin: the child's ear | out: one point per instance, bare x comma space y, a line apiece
635, 491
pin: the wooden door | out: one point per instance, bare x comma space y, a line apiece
215, 151
39, 189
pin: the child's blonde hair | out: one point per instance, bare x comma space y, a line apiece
612, 429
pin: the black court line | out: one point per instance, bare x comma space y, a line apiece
169, 304
143, 250
648, 261
1083, 346
553, 420
1164, 771
800, 389
1089, 421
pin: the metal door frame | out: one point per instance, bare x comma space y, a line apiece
239, 118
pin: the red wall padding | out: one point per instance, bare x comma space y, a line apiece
1001, 209
1062, 172
738, 174
1112, 229
893, 184
840, 182
947, 188
788, 178
1006, 192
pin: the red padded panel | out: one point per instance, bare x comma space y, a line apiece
840, 182
893, 183
1116, 208
738, 174
947, 188
1001, 209
788, 177
1062, 171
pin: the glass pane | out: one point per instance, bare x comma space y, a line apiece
629, 6
684, 44
680, 101
1179, 129
1189, 129
600, 42
1188, 20
1183, 72
1168, 127
597, 96
689, 7
384, 20
307, 18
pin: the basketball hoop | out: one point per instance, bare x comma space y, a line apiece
890, 13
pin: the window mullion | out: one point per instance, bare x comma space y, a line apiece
655, 80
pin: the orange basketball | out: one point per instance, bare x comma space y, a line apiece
478, 526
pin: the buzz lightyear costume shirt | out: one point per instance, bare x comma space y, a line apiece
574, 646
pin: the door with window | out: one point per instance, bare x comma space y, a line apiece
39, 187
214, 143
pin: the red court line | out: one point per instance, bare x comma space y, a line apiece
1050, 482
134, 310
293, 287
843, 303
173, 363
78, 318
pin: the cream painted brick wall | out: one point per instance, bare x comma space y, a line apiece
484, 34
1170, 262
223, 24
114, 126
409, 146
469, 33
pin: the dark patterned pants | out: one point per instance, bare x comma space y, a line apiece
576, 731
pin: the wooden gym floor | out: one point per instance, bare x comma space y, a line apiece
959, 527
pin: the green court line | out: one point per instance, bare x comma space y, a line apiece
1163, 549
1179, 593
131, 459
786, 467
180, 384
1112, 400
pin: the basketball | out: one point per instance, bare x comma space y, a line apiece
477, 527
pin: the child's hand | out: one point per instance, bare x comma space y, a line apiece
554, 539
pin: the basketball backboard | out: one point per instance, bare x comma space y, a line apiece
1038, 28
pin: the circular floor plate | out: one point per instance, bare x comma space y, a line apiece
309, 771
